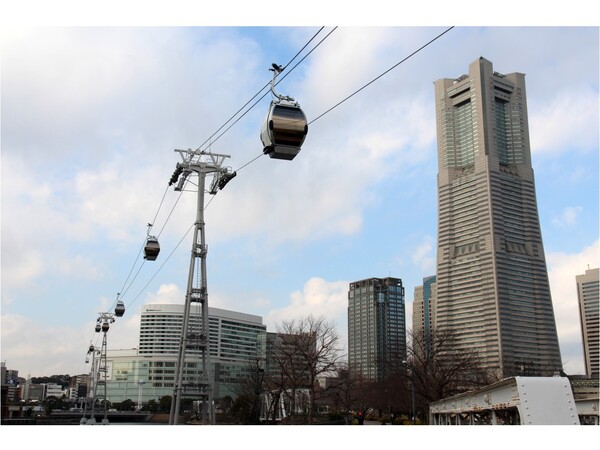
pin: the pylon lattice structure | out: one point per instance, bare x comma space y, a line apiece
99, 366
199, 386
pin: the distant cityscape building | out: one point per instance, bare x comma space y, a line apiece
53, 390
376, 327
41, 391
588, 287
423, 316
78, 385
424, 306
35, 392
235, 339
9, 379
492, 280
8, 376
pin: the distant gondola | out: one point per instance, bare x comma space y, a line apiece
151, 249
285, 127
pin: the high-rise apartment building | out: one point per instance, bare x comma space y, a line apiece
376, 327
588, 287
492, 280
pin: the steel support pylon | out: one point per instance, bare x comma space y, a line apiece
193, 339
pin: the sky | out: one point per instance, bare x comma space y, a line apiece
91, 118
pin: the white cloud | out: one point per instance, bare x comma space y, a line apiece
325, 191
79, 266
319, 297
562, 270
19, 266
567, 123
169, 294
424, 254
567, 217
39, 350
116, 200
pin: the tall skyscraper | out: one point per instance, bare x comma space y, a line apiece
376, 327
492, 280
588, 287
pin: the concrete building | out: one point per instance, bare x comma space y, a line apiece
588, 286
35, 392
9, 379
8, 376
492, 280
53, 390
148, 372
376, 327
78, 386
40, 392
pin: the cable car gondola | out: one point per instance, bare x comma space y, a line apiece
285, 126
151, 249
120, 309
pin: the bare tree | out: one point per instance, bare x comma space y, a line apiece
438, 368
342, 392
250, 390
304, 350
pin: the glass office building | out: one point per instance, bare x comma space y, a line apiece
376, 327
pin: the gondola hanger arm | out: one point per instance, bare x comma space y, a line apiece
276, 71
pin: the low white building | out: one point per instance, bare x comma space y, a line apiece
148, 372
53, 390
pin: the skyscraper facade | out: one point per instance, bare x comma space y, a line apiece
588, 287
376, 327
492, 280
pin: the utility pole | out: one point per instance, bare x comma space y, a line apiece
202, 164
